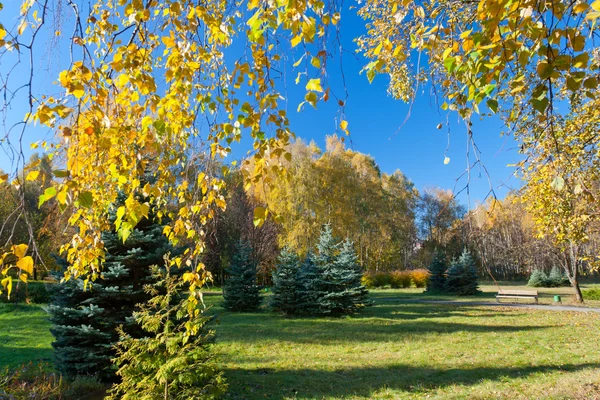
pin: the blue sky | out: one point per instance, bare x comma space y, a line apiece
418, 149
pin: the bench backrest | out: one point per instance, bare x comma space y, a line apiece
519, 292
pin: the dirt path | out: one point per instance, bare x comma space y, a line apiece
492, 304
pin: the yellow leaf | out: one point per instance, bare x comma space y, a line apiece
23, 277
123, 79
19, 250
344, 126
26, 264
260, 214
32, 175
168, 41
3, 178
7, 283
579, 8
61, 197
296, 40
315, 85
78, 93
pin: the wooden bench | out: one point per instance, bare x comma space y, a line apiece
517, 294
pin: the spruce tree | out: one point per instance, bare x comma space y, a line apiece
557, 277
171, 363
353, 294
85, 321
462, 276
437, 274
338, 289
240, 291
285, 283
538, 278
308, 278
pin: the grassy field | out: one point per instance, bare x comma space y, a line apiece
396, 351
24, 335
392, 350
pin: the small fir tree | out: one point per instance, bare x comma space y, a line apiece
557, 277
538, 278
173, 362
85, 321
462, 276
437, 274
240, 291
353, 294
285, 283
308, 277
338, 289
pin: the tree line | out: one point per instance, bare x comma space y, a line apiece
393, 226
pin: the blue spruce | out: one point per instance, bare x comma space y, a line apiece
240, 291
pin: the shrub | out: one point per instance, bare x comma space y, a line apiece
368, 280
381, 279
37, 381
591, 294
538, 278
400, 279
557, 277
419, 277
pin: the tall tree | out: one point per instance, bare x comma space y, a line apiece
562, 190
85, 321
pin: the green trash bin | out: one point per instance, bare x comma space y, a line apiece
557, 299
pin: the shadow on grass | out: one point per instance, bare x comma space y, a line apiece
340, 383
380, 324
12, 356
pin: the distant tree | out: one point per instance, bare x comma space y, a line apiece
286, 283
240, 292
236, 223
437, 273
173, 363
557, 277
437, 210
462, 276
538, 278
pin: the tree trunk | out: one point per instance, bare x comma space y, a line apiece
577, 290
572, 270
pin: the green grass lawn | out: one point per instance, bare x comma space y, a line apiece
395, 351
24, 335
388, 351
